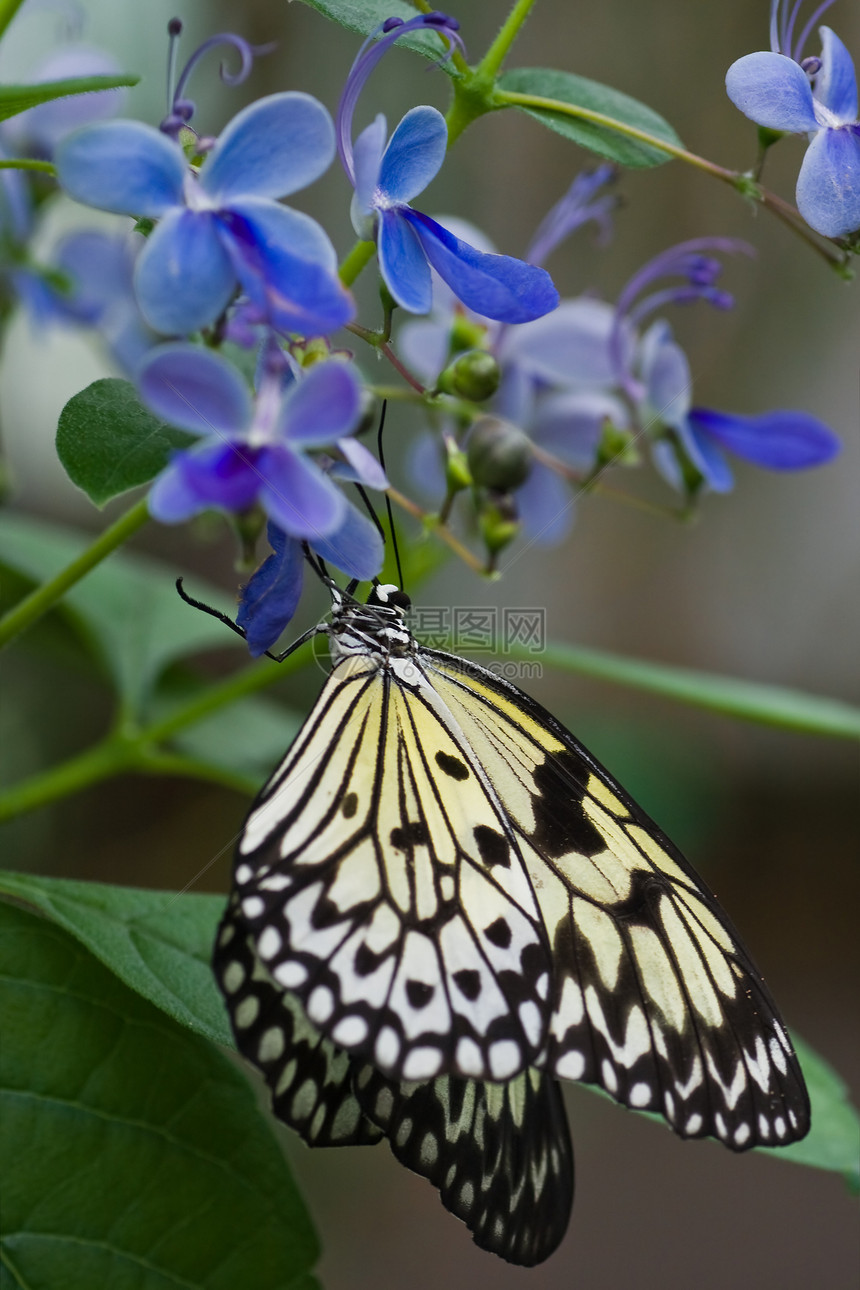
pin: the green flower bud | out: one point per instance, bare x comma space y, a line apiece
617, 447
474, 375
499, 522
499, 455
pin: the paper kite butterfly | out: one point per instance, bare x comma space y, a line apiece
443, 904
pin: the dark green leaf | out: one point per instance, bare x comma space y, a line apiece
249, 738
833, 1142
134, 1153
127, 608
602, 139
157, 942
18, 98
364, 16
108, 442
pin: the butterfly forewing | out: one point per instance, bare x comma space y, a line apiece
654, 996
380, 881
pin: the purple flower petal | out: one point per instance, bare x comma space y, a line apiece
567, 347
274, 228
403, 263
424, 346
363, 467
709, 460
214, 475
122, 166
355, 547
183, 278
297, 495
322, 407
778, 440
773, 91
546, 505
414, 154
836, 83
271, 596
570, 426
828, 186
270, 149
195, 389
292, 292
497, 286
666, 373
367, 158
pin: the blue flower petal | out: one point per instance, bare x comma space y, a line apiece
363, 468
666, 373
323, 406
710, 462
271, 596
567, 347
297, 495
403, 263
773, 91
122, 166
355, 547
778, 440
214, 475
183, 278
546, 505
195, 389
367, 158
414, 154
270, 149
828, 186
294, 292
570, 425
497, 286
836, 83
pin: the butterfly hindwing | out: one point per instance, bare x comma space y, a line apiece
655, 997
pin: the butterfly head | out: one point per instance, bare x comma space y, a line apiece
376, 627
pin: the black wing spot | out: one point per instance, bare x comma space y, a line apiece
452, 766
419, 993
468, 981
561, 825
366, 961
492, 845
350, 805
499, 933
413, 835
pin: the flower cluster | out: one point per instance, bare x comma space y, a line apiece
224, 305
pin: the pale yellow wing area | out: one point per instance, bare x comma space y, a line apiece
654, 997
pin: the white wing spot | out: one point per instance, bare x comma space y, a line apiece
321, 1004
693, 1125
387, 1047
778, 1056
570, 1066
531, 1021
290, 975
350, 1031
669, 1103
780, 1126
384, 1103
253, 906
721, 1125
269, 943
429, 1149
447, 887
743, 1134
228, 931
640, 1095
403, 1132
422, 1063
764, 1126
542, 985
505, 1059
244, 873
469, 1058
608, 1076
467, 1194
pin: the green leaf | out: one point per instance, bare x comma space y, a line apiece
833, 1142
247, 738
134, 1153
126, 609
157, 942
601, 138
770, 705
364, 16
108, 442
19, 98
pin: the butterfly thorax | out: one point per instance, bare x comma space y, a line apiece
375, 630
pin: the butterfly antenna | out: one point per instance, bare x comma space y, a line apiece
208, 609
388, 509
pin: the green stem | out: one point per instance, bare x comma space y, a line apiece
26, 163
32, 607
8, 9
783, 210
768, 705
491, 64
356, 260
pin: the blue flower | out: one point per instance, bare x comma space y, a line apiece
685, 436
386, 177
256, 450
220, 227
816, 97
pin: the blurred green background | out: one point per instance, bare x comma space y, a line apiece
764, 586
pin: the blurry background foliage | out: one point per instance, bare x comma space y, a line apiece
764, 586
